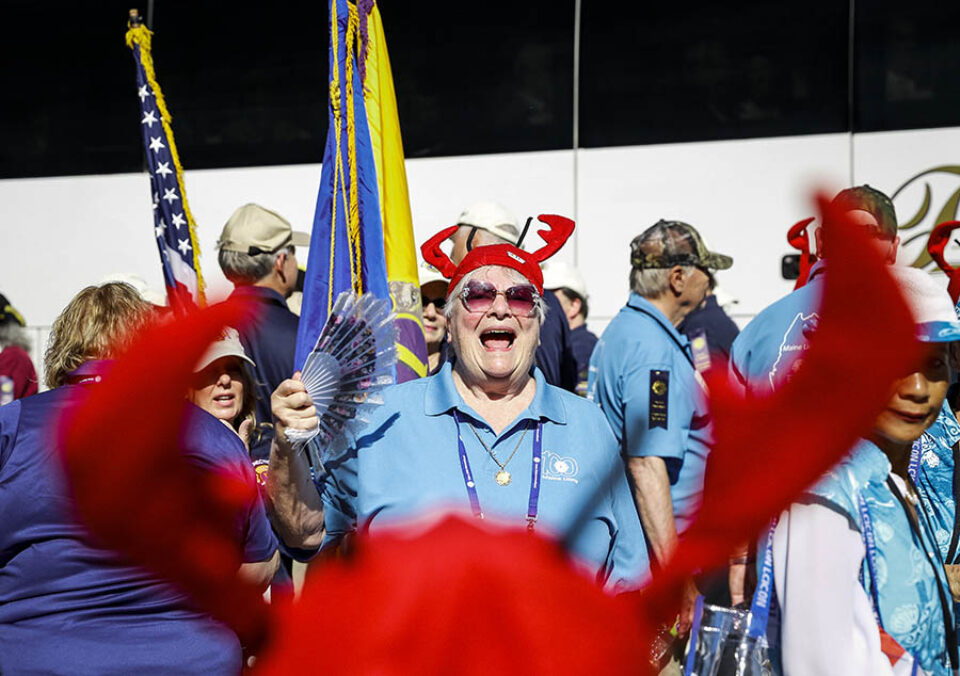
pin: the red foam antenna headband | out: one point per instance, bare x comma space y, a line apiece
434, 255
799, 239
559, 231
555, 235
935, 247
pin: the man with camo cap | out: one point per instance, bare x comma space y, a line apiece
643, 377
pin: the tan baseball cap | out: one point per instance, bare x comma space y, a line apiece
493, 218
254, 230
227, 345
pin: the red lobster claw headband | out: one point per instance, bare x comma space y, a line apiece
507, 255
935, 247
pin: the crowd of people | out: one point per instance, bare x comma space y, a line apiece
526, 419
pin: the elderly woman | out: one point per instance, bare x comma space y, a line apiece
67, 606
486, 434
855, 563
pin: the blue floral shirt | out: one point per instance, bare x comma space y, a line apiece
934, 477
907, 585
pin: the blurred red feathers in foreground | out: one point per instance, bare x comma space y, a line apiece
465, 597
454, 597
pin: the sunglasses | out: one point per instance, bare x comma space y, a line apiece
478, 296
439, 303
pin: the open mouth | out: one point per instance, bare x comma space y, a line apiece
497, 340
224, 399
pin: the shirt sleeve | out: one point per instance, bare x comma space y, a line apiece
338, 492
655, 407
827, 622
629, 558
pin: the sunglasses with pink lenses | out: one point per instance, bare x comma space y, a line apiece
479, 296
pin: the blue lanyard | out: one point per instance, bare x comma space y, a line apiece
870, 544
532, 503
914, 459
763, 596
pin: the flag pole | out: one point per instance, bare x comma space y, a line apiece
179, 251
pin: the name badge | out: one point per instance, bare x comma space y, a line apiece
659, 388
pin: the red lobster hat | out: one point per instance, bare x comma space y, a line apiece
506, 255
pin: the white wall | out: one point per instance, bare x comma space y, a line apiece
59, 234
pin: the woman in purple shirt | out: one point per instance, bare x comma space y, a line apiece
68, 606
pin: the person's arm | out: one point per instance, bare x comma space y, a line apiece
260, 573
827, 619
651, 493
295, 504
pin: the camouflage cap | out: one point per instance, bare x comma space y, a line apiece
869, 199
669, 243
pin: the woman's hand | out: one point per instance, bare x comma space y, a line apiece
292, 409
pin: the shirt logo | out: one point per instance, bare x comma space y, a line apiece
260, 468
560, 468
795, 341
659, 385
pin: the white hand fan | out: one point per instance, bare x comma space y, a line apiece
352, 361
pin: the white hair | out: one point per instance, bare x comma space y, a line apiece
651, 283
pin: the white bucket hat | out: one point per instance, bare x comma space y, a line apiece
933, 310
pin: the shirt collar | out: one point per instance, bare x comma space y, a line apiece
442, 396
870, 463
91, 371
641, 304
262, 292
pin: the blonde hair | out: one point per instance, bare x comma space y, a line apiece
97, 324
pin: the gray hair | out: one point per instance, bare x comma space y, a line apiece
651, 283
243, 269
12, 333
540, 308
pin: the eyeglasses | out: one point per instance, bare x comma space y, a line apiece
440, 302
478, 296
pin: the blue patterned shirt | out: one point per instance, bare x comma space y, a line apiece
934, 477
907, 585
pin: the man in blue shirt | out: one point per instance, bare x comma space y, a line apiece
769, 348
258, 254
642, 376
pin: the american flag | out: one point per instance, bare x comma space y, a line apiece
172, 221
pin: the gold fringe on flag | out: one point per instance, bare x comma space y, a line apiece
142, 36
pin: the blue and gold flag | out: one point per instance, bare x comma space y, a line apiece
173, 223
362, 230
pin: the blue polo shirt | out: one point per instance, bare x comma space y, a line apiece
407, 464
269, 339
68, 606
771, 346
642, 376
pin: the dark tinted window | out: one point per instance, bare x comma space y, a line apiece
908, 64
244, 86
712, 70
482, 77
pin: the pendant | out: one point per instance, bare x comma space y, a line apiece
502, 477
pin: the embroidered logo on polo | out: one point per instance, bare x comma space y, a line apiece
659, 388
795, 342
260, 468
560, 468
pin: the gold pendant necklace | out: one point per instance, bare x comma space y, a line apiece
502, 477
